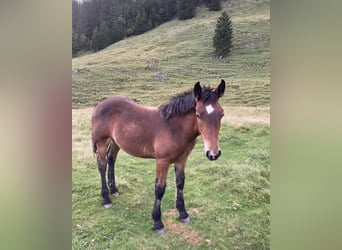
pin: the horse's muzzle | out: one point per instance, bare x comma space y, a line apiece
213, 157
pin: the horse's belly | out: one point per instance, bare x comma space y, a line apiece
134, 143
141, 151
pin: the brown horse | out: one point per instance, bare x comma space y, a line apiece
166, 133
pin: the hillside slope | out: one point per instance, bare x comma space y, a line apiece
169, 59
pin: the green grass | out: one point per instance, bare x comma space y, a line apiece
171, 58
228, 199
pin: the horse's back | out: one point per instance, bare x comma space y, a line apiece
110, 105
117, 106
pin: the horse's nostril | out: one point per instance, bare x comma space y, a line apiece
208, 154
218, 154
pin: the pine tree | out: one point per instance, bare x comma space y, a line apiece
214, 5
118, 31
141, 22
100, 37
95, 39
186, 9
84, 42
98, 23
222, 39
75, 43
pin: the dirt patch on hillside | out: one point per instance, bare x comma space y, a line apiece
183, 231
241, 115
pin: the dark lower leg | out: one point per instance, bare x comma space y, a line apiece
104, 190
156, 213
180, 179
111, 176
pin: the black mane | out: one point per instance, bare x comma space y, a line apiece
185, 102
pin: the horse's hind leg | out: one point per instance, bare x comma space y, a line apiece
113, 152
102, 166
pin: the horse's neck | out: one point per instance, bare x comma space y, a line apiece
188, 125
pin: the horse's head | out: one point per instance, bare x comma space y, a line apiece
209, 113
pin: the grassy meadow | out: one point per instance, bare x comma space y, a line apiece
228, 200
174, 56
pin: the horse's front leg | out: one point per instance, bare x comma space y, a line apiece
162, 169
180, 180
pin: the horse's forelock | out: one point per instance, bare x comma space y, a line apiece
208, 95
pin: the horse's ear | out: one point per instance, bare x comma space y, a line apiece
197, 90
220, 89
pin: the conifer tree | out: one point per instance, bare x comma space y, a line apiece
75, 43
98, 23
222, 39
141, 22
214, 5
95, 39
186, 9
117, 31
104, 35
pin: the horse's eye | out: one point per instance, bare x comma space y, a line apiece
222, 114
